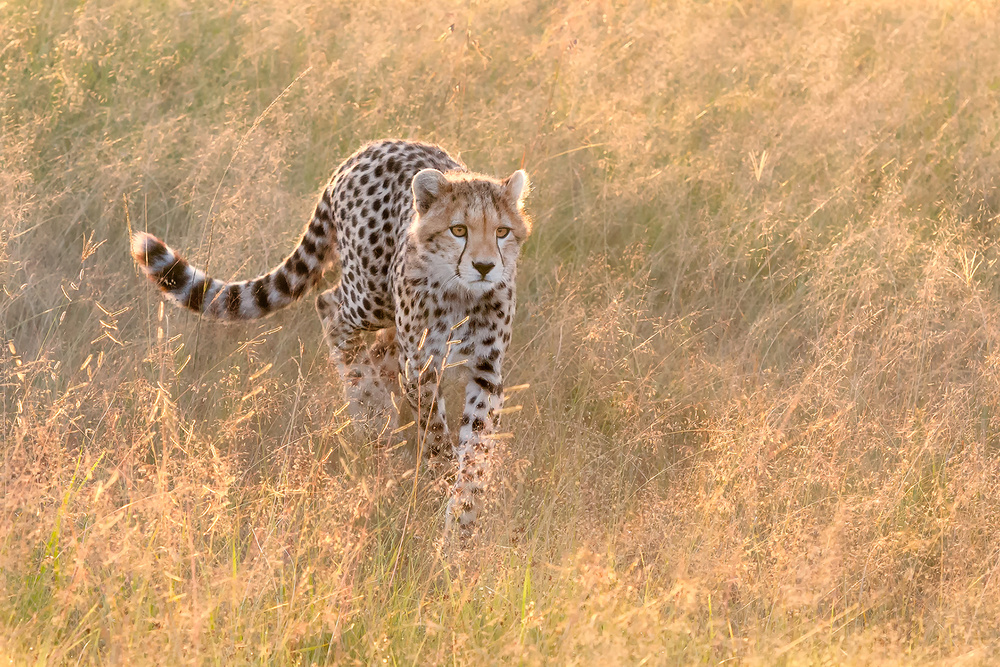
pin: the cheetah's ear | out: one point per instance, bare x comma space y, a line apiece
428, 185
516, 186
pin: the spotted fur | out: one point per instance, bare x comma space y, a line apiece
428, 255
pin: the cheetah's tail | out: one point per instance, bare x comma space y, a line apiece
248, 299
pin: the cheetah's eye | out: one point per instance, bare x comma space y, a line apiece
502, 232
459, 230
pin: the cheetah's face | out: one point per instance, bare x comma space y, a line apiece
470, 227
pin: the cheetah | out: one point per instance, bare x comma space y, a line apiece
428, 255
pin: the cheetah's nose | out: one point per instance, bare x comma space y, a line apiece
483, 267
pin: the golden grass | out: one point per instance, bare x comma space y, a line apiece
759, 321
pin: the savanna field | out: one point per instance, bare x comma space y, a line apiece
758, 322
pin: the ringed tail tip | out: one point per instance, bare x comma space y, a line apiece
147, 249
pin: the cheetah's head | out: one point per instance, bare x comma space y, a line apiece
470, 227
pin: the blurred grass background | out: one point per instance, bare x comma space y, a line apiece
758, 318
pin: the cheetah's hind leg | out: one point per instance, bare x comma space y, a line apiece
372, 400
368, 373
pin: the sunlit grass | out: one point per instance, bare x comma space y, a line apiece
758, 323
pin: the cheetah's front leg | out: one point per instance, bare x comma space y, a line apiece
423, 392
483, 400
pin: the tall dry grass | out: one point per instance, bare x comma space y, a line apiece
759, 321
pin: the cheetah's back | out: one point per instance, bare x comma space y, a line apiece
373, 209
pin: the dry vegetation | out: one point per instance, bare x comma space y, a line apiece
759, 319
